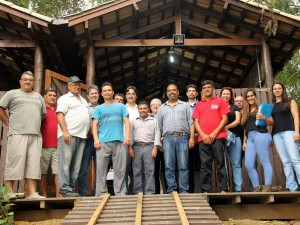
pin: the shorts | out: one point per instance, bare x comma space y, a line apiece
23, 157
49, 155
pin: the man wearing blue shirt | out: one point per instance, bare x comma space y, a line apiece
109, 141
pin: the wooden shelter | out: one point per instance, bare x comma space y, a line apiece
235, 43
128, 43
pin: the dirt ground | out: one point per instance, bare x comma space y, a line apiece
230, 222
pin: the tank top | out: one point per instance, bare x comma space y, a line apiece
231, 118
250, 125
283, 119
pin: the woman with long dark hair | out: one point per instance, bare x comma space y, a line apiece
257, 142
234, 144
286, 134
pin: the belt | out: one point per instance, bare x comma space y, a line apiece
176, 134
143, 143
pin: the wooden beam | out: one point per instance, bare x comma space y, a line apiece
17, 44
89, 16
139, 209
25, 16
178, 23
267, 66
207, 27
169, 42
181, 212
98, 211
38, 69
90, 65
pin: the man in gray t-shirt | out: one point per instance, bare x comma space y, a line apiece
26, 109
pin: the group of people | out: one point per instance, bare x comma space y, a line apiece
67, 133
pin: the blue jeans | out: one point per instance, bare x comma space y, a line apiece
69, 161
235, 155
176, 147
89, 152
288, 151
258, 144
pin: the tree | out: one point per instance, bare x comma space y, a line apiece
290, 76
58, 9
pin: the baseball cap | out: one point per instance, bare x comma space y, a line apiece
74, 79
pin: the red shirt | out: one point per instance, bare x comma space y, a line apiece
209, 113
49, 129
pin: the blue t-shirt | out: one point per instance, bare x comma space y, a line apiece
110, 118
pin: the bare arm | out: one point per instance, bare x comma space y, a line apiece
269, 121
3, 116
192, 136
127, 130
295, 114
236, 122
97, 143
63, 127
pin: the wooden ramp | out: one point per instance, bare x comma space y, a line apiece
142, 210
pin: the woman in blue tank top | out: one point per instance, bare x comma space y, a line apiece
286, 134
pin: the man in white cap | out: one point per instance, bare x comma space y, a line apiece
73, 119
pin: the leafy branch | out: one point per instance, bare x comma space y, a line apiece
6, 217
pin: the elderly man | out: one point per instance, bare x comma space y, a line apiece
49, 134
26, 110
175, 120
238, 101
145, 140
73, 119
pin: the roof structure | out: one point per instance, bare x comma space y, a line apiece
132, 41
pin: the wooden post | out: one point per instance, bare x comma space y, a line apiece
38, 68
90, 65
267, 66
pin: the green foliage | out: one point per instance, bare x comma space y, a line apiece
58, 9
6, 217
290, 76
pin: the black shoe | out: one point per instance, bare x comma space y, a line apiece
70, 194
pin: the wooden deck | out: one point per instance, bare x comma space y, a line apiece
271, 205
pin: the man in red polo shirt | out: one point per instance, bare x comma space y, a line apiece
49, 134
210, 117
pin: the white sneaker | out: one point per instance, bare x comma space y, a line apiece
35, 195
11, 195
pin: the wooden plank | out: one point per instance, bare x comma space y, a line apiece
101, 12
187, 42
99, 210
180, 209
17, 44
25, 16
139, 209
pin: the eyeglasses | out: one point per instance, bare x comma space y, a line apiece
25, 79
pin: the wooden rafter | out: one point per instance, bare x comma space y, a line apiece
17, 44
169, 42
24, 15
95, 14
